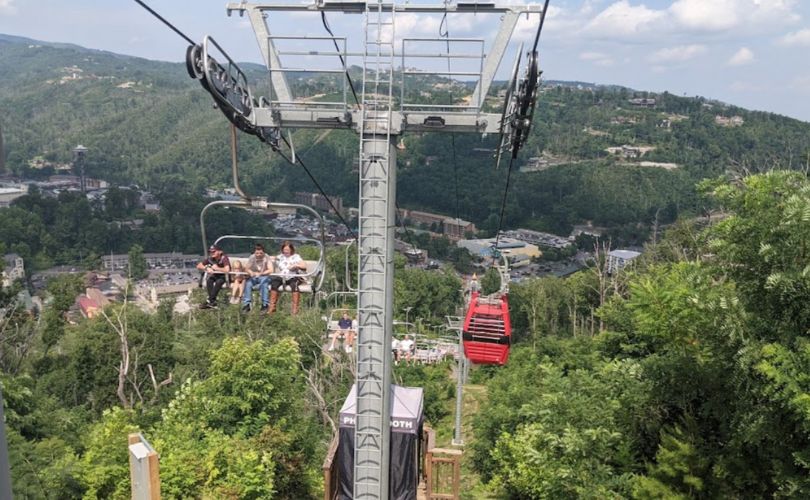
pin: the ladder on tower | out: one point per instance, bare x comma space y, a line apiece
371, 429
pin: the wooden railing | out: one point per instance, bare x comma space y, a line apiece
330, 471
441, 468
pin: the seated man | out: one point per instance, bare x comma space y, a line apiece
406, 348
344, 329
216, 266
258, 268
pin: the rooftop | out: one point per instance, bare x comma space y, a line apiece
624, 254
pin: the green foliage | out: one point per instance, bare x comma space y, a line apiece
431, 294
571, 441
490, 281
718, 403
200, 461
138, 269
764, 245
251, 402
679, 466
435, 380
105, 463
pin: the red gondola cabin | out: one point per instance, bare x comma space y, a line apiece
487, 330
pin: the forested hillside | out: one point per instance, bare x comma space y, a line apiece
689, 381
146, 122
683, 376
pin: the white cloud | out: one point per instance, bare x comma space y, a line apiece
724, 15
716, 15
597, 58
7, 7
623, 20
799, 38
741, 57
677, 54
641, 22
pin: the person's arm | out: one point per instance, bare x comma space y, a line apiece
268, 266
201, 266
224, 268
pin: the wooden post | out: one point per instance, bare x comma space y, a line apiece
330, 473
144, 469
429, 473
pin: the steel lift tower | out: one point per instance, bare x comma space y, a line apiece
379, 117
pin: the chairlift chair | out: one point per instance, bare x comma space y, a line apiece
334, 317
314, 275
487, 330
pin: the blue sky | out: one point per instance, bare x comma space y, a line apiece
752, 53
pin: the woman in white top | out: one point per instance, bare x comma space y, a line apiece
288, 264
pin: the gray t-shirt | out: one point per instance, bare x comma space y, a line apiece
258, 265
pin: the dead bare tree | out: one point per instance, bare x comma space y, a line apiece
315, 386
155, 385
119, 325
600, 271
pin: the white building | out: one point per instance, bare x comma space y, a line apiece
9, 194
13, 270
619, 259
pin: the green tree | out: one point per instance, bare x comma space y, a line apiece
491, 281
138, 268
105, 463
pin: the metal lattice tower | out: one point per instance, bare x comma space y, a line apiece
375, 308
378, 121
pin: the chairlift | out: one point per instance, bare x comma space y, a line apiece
314, 275
487, 329
333, 328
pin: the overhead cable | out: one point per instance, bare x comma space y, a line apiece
342, 61
164, 21
317, 185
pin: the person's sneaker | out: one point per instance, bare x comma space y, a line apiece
246, 308
264, 308
348, 349
205, 305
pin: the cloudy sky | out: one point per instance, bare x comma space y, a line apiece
753, 53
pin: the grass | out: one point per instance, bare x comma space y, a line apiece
473, 398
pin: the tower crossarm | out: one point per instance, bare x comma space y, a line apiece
408, 121
359, 7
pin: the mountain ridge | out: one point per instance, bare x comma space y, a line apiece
147, 122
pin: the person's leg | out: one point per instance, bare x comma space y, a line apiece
219, 282
247, 295
296, 295
264, 285
275, 284
348, 337
334, 337
209, 287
